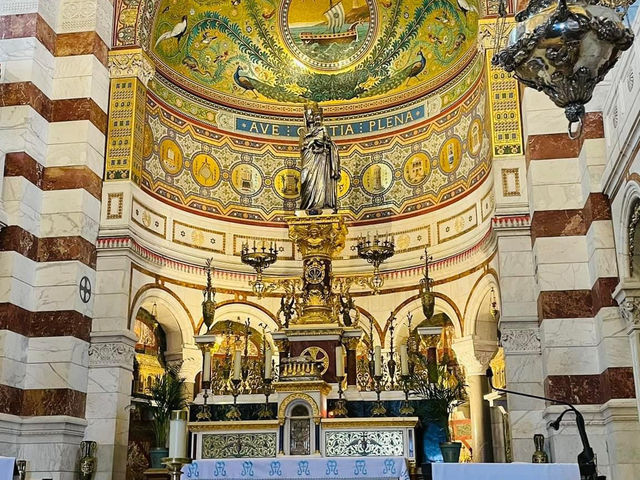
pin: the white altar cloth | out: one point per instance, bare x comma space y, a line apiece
7, 465
309, 468
505, 471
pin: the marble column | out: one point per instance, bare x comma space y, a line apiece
628, 297
474, 355
108, 398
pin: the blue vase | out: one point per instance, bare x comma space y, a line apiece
157, 454
432, 436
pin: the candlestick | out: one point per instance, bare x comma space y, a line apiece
406, 410
234, 412
237, 365
267, 363
265, 412
340, 411
377, 361
339, 361
378, 409
404, 360
178, 434
174, 466
206, 367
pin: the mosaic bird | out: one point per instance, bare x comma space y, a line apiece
416, 68
466, 7
256, 86
395, 80
268, 14
176, 32
244, 82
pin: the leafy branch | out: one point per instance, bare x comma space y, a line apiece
389, 32
215, 21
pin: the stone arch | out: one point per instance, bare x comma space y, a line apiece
413, 305
282, 410
232, 309
629, 254
172, 315
477, 312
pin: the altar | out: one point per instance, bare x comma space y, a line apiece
298, 467
501, 471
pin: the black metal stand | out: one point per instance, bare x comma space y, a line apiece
586, 458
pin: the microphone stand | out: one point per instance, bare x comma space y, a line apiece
586, 458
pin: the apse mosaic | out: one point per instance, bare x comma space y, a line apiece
221, 174
260, 53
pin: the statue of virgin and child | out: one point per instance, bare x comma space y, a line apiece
320, 165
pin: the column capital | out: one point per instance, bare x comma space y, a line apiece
627, 294
131, 62
474, 354
112, 349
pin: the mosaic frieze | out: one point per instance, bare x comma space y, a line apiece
364, 443
248, 178
239, 445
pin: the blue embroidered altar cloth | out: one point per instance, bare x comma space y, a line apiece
298, 468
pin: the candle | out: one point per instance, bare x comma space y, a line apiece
178, 434
267, 363
404, 360
206, 367
377, 361
237, 365
339, 362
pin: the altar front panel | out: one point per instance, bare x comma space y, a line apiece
504, 471
288, 468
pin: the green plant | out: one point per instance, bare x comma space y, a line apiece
444, 388
167, 394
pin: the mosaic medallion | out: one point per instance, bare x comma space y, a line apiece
328, 34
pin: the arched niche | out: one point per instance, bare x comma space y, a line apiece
477, 313
628, 238
238, 312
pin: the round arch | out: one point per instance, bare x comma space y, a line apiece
630, 200
478, 304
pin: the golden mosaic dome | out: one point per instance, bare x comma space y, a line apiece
272, 56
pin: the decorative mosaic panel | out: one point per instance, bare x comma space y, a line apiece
364, 443
453, 227
239, 445
126, 129
220, 174
198, 237
504, 102
148, 219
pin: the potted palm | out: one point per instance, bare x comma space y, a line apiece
445, 389
167, 394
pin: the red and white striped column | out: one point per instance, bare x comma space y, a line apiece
53, 121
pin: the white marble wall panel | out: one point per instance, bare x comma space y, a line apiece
76, 132
568, 249
568, 332
22, 129
111, 308
55, 375
556, 197
81, 76
563, 276
13, 352
602, 250
562, 171
27, 60
104, 20
583, 360
22, 202
542, 116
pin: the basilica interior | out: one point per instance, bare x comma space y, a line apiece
377, 231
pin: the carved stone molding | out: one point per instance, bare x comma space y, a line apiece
525, 341
112, 349
630, 311
131, 63
474, 354
111, 355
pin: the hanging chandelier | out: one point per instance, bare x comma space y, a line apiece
565, 49
209, 293
427, 298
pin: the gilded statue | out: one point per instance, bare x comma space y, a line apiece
320, 165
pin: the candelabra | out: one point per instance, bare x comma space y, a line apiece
259, 258
234, 412
174, 466
265, 412
391, 363
406, 410
21, 465
375, 252
204, 413
341, 404
378, 409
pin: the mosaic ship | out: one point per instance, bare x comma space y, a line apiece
336, 17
